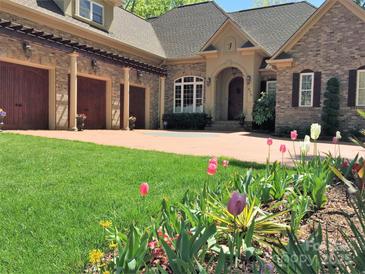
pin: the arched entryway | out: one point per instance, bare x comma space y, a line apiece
228, 104
235, 98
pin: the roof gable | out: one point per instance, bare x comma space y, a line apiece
326, 6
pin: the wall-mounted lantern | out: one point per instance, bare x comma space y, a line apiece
209, 81
139, 74
94, 65
248, 79
27, 49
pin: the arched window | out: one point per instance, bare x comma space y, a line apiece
189, 94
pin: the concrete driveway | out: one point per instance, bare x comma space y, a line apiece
242, 146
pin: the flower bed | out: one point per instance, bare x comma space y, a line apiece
252, 222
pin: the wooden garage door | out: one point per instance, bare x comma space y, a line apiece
137, 102
24, 96
91, 100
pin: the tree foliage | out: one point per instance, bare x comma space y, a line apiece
361, 3
265, 3
151, 8
331, 108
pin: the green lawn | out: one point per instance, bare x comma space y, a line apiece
53, 194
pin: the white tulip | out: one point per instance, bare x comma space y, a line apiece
338, 135
305, 146
315, 131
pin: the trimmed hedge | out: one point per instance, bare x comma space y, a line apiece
186, 120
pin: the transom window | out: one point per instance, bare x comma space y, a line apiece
189, 93
92, 11
271, 86
360, 88
306, 89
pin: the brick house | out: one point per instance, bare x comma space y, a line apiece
59, 58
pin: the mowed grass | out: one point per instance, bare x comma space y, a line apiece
53, 193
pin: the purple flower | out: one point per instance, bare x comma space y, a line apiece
236, 204
2, 113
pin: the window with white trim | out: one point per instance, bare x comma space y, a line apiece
360, 90
306, 87
271, 86
189, 94
92, 11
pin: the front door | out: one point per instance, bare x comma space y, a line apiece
235, 98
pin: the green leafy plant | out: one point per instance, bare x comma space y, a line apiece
188, 247
331, 107
185, 120
264, 109
264, 226
299, 207
132, 250
297, 257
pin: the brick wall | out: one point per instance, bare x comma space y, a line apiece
333, 46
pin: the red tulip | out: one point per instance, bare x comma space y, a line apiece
225, 163
345, 164
283, 148
356, 168
236, 204
212, 169
269, 141
293, 135
144, 189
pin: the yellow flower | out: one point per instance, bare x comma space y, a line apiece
105, 224
106, 272
113, 245
95, 256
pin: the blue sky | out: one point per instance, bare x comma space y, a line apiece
233, 5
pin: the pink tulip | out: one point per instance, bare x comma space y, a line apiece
144, 189
212, 169
269, 141
293, 135
283, 148
213, 160
236, 204
225, 163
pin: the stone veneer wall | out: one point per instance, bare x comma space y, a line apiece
179, 70
333, 46
51, 55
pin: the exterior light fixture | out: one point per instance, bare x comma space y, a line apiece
94, 65
139, 74
209, 81
27, 49
248, 79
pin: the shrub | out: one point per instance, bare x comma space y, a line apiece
264, 110
185, 120
331, 108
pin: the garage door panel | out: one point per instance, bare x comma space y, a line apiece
24, 96
91, 100
137, 105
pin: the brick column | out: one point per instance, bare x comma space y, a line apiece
162, 99
126, 98
73, 91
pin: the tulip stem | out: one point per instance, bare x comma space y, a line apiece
236, 243
295, 152
268, 157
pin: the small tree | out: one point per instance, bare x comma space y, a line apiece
331, 108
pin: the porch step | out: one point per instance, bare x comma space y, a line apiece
233, 126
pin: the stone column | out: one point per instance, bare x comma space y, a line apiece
162, 99
213, 86
73, 91
126, 98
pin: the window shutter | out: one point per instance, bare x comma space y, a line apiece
351, 99
263, 86
317, 89
295, 90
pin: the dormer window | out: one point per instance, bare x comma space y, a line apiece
92, 11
